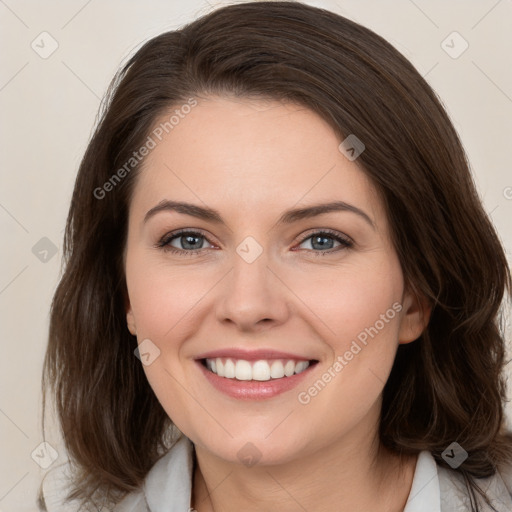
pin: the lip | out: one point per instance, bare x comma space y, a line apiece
253, 390
252, 355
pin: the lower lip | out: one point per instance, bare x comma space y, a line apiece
253, 389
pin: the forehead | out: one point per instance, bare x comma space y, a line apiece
247, 154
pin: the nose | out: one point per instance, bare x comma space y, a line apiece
252, 297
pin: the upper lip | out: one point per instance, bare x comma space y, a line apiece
252, 355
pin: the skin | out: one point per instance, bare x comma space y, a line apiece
251, 160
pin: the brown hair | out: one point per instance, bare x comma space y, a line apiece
446, 386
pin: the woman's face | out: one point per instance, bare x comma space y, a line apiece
249, 280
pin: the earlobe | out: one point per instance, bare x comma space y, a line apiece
415, 318
130, 322
130, 317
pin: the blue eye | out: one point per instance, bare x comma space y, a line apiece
192, 242
323, 240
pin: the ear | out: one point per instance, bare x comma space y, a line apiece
415, 317
130, 322
130, 317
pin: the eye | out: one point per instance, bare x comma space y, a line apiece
183, 242
187, 242
322, 242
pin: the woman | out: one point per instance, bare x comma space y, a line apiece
281, 289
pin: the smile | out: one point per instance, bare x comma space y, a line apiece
254, 375
260, 370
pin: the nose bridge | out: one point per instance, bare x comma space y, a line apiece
251, 292
250, 271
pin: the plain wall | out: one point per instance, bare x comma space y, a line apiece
49, 107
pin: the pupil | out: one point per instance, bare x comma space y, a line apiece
322, 244
187, 240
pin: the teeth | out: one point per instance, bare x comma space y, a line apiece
229, 369
243, 370
261, 370
277, 370
289, 368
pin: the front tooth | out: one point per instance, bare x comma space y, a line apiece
243, 370
213, 366
289, 368
229, 369
219, 366
277, 370
301, 366
260, 371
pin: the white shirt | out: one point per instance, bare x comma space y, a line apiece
168, 487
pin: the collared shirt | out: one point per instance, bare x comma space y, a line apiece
168, 487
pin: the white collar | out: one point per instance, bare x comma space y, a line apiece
169, 482
424, 495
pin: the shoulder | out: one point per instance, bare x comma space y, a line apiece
168, 483
455, 497
55, 487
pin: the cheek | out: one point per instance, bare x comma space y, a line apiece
361, 309
162, 297
351, 301
162, 300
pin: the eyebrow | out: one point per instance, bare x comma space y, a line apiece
288, 217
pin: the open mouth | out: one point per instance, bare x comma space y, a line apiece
259, 370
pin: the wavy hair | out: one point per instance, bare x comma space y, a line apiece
446, 386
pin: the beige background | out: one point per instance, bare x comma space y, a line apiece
48, 107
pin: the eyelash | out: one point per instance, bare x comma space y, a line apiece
164, 242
